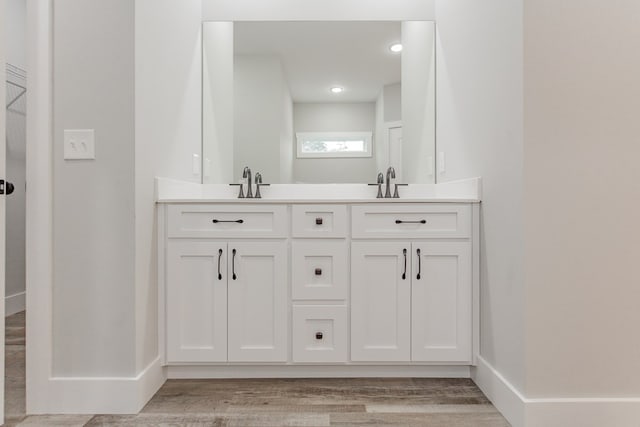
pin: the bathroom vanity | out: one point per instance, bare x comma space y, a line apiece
318, 278
323, 275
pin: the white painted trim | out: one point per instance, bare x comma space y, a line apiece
521, 411
318, 371
103, 395
161, 212
475, 285
15, 303
500, 392
583, 412
39, 220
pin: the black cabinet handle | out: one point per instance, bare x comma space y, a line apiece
219, 258
233, 265
404, 275
318, 221
419, 264
319, 335
239, 221
318, 271
6, 187
422, 221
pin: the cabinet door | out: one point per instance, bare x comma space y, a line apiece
380, 301
441, 302
258, 302
196, 304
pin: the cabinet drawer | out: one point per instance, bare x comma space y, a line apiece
319, 221
411, 221
320, 270
230, 221
319, 333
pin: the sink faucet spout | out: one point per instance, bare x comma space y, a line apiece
246, 173
391, 173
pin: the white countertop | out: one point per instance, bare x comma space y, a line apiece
173, 191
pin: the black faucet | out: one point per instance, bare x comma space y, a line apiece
246, 173
391, 173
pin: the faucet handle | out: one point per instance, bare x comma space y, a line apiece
258, 181
379, 195
396, 195
258, 185
241, 194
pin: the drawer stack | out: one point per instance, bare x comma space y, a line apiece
320, 279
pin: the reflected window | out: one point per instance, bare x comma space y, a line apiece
333, 144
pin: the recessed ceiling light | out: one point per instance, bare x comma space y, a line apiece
337, 89
396, 48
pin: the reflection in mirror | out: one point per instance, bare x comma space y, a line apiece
318, 102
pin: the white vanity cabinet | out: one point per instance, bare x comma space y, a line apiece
441, 302
270, 284
411, 300
196, 295
380, 301
226, 300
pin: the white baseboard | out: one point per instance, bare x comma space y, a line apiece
317, 371
583, 412
521, 411
500, 392
96, 395
15, 303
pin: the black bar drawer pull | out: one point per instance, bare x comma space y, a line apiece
419, 264
238, 221
422, 221
233, 265
219, 258
404, 275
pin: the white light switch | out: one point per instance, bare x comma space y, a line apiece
79, 144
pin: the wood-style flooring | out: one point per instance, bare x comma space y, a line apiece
273, 402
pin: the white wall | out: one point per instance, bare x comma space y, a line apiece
380, 144
217, 102
582, 200
334, 117
328, 10
418, 101
286, 137
15, 33
167, 134
260, 91
479, 110
392, 100
93, 212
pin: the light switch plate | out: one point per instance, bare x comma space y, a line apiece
79, 144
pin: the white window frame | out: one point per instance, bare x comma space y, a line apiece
306, 136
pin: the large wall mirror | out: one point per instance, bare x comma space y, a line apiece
318, 102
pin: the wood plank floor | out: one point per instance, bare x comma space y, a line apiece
280, 402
